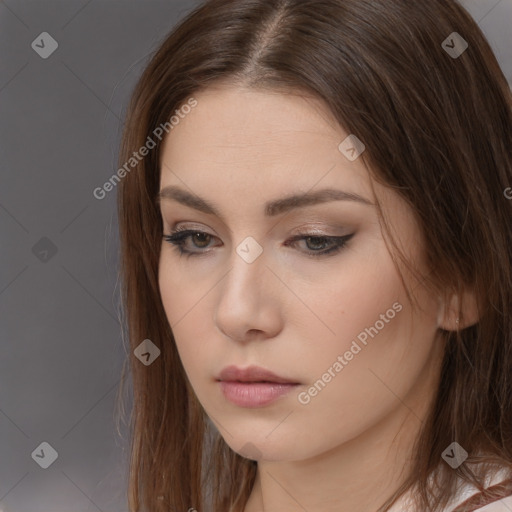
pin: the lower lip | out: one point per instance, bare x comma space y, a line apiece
254, 394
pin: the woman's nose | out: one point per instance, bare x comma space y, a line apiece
248, 295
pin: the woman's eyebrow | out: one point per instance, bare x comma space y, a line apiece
272, 208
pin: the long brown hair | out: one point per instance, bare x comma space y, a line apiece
437, 129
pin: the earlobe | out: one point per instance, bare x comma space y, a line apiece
458, 312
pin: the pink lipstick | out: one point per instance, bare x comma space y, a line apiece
253, 386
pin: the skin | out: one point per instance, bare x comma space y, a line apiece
348, 448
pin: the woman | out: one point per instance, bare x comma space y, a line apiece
315, 241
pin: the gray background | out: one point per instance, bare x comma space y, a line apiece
62, 351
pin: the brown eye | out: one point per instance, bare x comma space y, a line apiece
315, 244
201, 238
179, 238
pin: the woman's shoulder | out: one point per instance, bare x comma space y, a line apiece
503, 505
497, 496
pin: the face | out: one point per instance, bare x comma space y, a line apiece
306, 290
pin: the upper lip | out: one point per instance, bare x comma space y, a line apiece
251, 374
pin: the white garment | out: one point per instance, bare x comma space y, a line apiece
504, 505
465, 491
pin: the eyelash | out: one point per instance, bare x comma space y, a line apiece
178, 237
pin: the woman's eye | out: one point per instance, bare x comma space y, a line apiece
179, 239
315, 245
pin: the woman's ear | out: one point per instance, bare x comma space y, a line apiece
458, 311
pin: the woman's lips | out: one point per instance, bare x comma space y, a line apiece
253, 386
252, 374
254, 394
